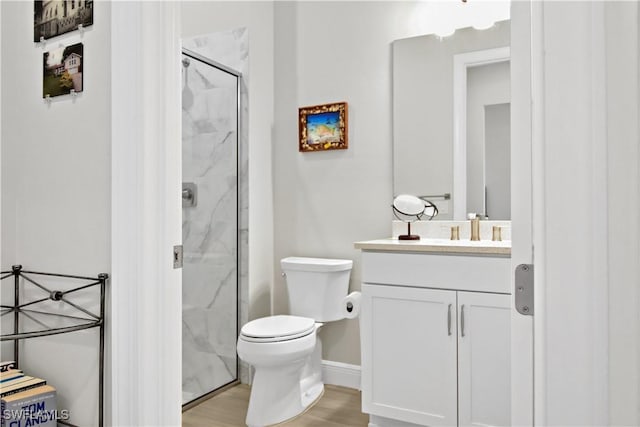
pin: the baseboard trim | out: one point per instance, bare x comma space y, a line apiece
341, 374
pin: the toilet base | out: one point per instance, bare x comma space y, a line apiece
282, 393
308, 408
285, 384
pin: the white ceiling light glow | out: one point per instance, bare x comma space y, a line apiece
443, 17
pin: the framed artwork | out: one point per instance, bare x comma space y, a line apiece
62, 70
323, 127
54, 17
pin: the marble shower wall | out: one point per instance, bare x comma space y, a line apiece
210, 229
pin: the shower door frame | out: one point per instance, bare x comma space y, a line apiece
238, 75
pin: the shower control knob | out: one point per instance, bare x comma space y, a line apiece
189, 194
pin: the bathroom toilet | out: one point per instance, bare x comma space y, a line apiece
285, 350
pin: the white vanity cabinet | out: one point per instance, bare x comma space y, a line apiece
435, 335
402, 376
484, 368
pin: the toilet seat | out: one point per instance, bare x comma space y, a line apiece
277, 328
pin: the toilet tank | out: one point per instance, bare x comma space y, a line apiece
317, 286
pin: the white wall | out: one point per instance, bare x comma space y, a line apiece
56, 176
209, 17
325, 201
497, 160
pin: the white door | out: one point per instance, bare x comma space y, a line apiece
409, 354
484, 355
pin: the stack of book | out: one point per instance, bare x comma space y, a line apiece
26, 400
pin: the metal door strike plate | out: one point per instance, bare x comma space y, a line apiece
177, 256
524, 289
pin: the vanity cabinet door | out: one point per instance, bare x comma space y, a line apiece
484, 359
409, 354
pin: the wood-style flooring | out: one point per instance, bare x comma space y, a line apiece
338, 407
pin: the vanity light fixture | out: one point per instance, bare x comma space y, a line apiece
445, 32
483, 25
442, 18
408, 208
485, 14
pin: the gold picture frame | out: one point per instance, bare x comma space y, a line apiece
323, 127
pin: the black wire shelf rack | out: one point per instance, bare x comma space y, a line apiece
37, 303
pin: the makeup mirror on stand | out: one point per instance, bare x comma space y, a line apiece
408, 208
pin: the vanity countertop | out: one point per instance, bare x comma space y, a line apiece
484, 247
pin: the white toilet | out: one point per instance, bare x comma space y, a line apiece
285, 350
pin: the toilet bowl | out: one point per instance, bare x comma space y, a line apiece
281, 349
285, 350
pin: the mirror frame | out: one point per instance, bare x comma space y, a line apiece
461, 63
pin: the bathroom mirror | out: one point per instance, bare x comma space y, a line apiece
451, 121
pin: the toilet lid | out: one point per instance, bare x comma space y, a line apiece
277, 328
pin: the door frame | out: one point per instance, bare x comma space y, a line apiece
145, 306
553, 383
571, 291
145, 303
461, 63
1, 126
523, 84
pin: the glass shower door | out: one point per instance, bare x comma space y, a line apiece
209, 227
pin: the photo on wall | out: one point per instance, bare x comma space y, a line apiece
54, 17
62, 70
